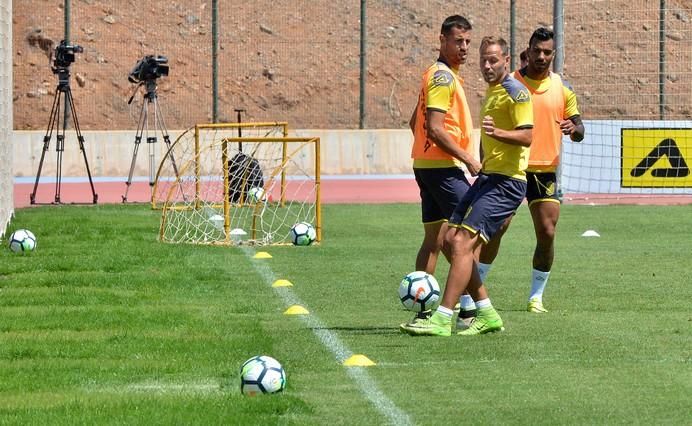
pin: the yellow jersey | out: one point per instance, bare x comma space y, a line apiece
509, 104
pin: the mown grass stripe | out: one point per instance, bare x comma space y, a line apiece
332, 342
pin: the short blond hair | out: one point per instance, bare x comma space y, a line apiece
490, 40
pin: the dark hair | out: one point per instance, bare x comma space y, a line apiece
488, 40
523, 56
455, 21
541, 34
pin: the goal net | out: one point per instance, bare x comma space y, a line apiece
631, 71
6, 172
238, 183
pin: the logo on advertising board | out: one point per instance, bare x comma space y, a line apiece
656, 158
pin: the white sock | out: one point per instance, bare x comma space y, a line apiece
483, 269
484, 303
467, 303
445, 311
538, 281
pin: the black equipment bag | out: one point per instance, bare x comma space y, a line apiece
244, 172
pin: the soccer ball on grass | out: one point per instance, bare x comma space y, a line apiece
261, 374
255, 195
303, 234
22, 241
419, 291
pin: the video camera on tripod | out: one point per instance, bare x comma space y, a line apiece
64, 55
63, 102
148, 68
145, 73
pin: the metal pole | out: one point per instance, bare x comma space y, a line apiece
513, 34
559, 28
662, 61
67, 21
67, 13
363, 65
214, 60
558, 62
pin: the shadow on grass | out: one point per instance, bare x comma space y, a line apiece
361, 330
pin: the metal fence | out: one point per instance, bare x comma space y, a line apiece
300, 61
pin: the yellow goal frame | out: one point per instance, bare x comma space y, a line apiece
284, 140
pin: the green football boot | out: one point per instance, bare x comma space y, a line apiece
436, 325
536, 306
420, 317
487, 321
465, 319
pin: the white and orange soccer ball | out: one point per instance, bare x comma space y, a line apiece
419, 291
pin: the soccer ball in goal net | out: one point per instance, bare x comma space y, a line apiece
238, 183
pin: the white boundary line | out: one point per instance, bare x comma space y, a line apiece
332, 342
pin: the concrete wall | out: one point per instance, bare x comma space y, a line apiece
110, 153
6, 53
594, 166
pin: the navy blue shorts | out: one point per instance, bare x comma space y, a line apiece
440, 191
490, 200
542, 187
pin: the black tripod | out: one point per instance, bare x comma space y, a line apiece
63, 90
150, 100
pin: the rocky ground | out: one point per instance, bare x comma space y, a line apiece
299, 60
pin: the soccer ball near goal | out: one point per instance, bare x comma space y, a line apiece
303, 234
22, 241
255, 195
419, 291
261, 374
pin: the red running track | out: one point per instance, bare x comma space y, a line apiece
334, 191
366, 191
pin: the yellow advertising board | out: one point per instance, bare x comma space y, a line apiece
656, 158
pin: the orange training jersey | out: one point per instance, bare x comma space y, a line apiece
441, 90
553, 101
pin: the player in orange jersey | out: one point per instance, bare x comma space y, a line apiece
556, 114
507, 126
442, 127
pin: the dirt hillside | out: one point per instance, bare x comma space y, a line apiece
299, 61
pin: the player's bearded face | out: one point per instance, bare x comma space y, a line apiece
541, 54
454, 46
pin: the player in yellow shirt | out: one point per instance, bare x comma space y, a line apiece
442, 127
556, 114
506, 133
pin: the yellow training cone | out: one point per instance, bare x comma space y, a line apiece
262, 255
358, 361
296, 310
282, 283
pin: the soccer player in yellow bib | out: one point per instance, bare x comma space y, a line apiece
556, 114
506, 133
442, 127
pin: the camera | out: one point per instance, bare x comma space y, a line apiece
64, 54
149, 68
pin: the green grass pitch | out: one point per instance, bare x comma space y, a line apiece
103, 324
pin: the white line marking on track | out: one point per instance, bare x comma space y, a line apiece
332, 342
